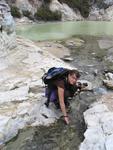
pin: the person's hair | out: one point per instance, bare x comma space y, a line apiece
76, 72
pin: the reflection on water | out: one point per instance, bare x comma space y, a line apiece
61, 30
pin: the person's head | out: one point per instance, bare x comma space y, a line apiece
73, 76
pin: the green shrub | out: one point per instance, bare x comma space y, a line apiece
47, 1
15, 12
26, 13
45, 14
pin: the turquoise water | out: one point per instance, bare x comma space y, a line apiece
62, 30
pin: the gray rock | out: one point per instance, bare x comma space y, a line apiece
109, 76
109, 142
108, 2
7, 29
105, 44
67, 58
6, 20
108, 83
26, 5
66, 11
99, 134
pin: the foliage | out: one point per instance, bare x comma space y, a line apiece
26, 13
47, 1
45, 14
15, 12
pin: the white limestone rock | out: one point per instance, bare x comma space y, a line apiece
109, 13
94, 139
66, 11
107, 123
30, 6
18, 94
7, 29
109, 142
99, 121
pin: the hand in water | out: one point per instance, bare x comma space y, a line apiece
66, 119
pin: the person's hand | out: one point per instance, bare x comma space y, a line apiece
66, 119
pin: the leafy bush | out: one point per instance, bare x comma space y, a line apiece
26, 13
15, 12
45, 14
47, 1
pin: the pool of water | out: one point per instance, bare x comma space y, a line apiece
62, 30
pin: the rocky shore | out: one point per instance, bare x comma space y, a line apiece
22, 64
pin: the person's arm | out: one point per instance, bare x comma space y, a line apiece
62, 103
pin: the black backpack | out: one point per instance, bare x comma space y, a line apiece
53, 74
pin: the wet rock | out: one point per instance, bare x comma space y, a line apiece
110, 51
108, 83
67, 58
95, 72
100, 91
109, 76
105, 44
55, 48
109, 144
109, 56
74, 43
89, 85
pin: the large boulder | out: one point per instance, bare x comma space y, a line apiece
29, 6
7, 29
99, 133
66, 11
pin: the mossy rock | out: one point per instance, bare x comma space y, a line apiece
15, 12
45, 14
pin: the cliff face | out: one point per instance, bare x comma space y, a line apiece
70, 10
7, 29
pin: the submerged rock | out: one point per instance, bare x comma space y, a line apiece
105, 44
74, 43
